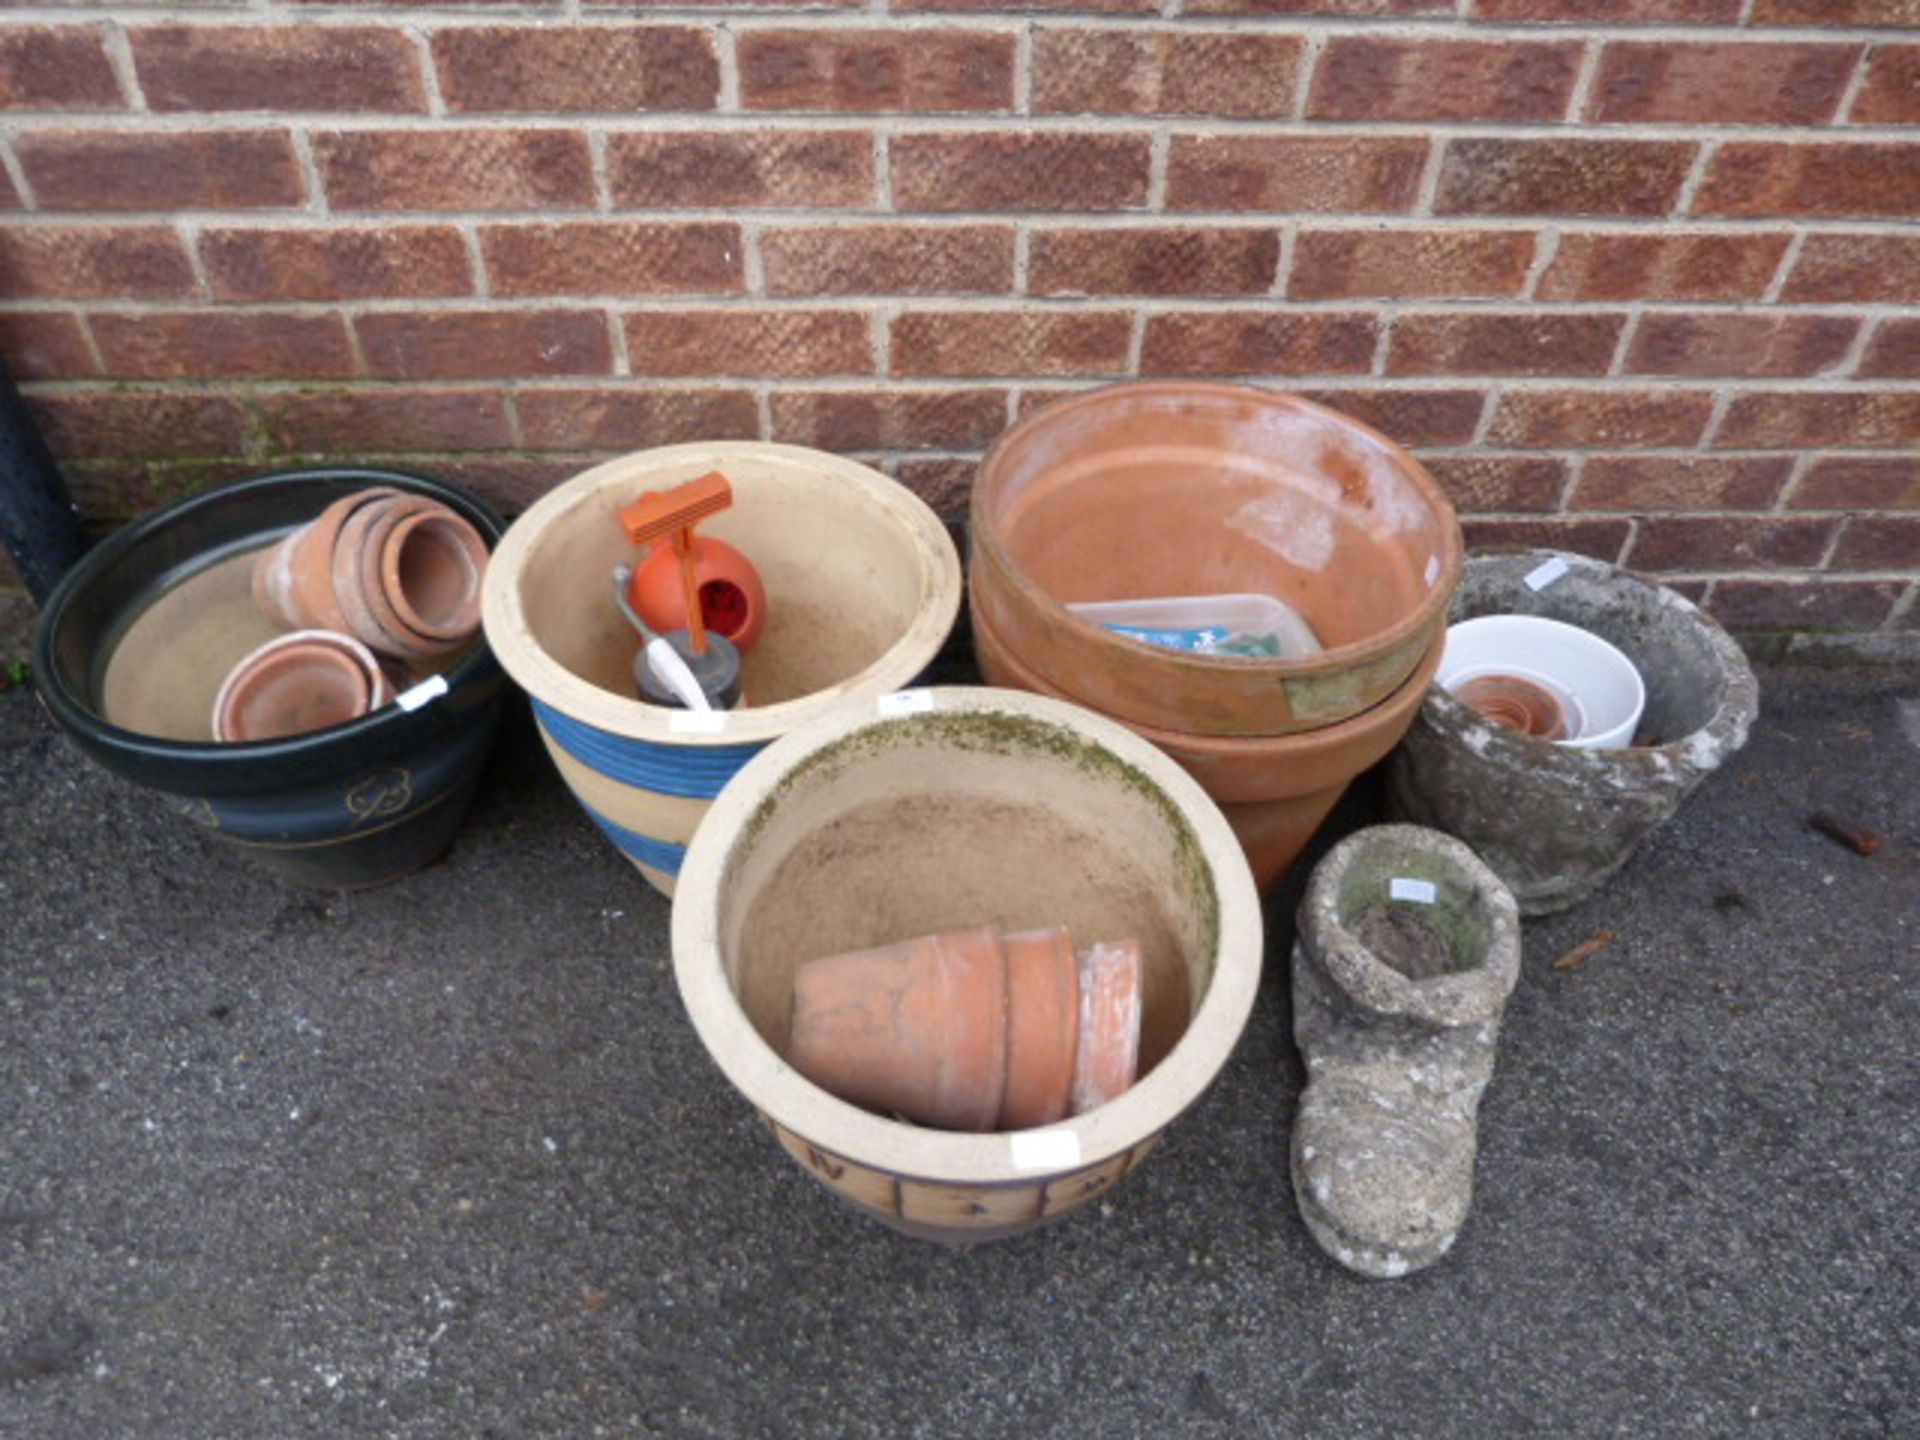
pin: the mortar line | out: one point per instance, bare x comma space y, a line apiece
1789, 258
1546, 245
1617, 365
92, 342
17, 173
1716, 416
617, 337
189, 232
1848, 365
119, 51
726, 49
1159, 151
602, 175
1283, 264
1022, 258
1782, 503
1437, 147
1696, 176
1856, 84
318, 202
1023, 69
1309, 71
469, 233
1581, 99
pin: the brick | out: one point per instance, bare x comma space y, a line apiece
1478, 484
1411, 417
9, 193
1599, 419
871, 71
1666, 83
1690, 482
1103, 7
1891, 95
94, 262
1401, 264
779, 169
57, 67
358, 68
888, 260
1259, 342
1320, 7
1602, 539
171, 345
1153, 262
1803, 604
1856, 267
1879, 542
1364, 78
1740, 344
1010, 342
1662, 267
1295, 174
1798, 419
1049, 171
208, 170
1894, 351
386, 421
1562, 177
455, 169
1764, 178
1869, 483
893, 419
614, 68
123, 489
946, 485
1709, 542
1687, 12
509, 483
636, 418
1165, 72
391, 261
484, 344
613, 257
1530, 344
45, 345
108, 424
750, 342
1836, 12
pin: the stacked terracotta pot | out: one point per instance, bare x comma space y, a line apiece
1164, 489
381, 583
972, 1030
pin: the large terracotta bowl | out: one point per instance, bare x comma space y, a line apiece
1158, 489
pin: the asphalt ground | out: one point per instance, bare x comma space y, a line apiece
446, 1158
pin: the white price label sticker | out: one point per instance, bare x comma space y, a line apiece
1542, 576
1420, 892
431, 688
1433, 570
697, 722
905, 702
1044, 1149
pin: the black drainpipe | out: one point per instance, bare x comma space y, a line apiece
38, 523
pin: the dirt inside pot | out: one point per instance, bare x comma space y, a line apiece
843, 584
1399, 936
161, 672
914, 841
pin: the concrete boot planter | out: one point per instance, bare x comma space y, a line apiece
862, 586
1396, 1008
943, 810
1555, 822
1171, 489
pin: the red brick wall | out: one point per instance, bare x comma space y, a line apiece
1635, 276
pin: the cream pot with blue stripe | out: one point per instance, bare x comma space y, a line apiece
862, 583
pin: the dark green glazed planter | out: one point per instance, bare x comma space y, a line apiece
353, 805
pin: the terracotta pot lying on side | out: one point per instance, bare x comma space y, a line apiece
969, 1030
305, 681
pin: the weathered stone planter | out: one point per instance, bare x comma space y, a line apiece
1408, 947
862, 584
940, 810
1179, 488
1555, 822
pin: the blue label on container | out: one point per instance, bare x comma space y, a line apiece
1207, 637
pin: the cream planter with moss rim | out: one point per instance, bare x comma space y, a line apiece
943, 809
862, 584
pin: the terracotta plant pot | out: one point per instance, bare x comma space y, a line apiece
1166, 489
868, 583
733, 599
967, 1031
861, 826
1517, 704
1276, 790
399, 572
308, 680
1553, 821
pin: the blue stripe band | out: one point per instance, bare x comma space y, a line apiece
660, 854
696, 772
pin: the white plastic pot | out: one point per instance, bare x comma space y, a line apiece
1598, 686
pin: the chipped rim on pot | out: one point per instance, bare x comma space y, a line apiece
781, 1093
504, 618
1685, 758
1430, 612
